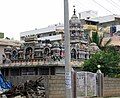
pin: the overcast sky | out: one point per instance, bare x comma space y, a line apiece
22, 15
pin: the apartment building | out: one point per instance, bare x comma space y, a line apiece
53, 32
109, 25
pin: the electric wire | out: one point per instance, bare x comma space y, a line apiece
103, 7
84, 6
113, 4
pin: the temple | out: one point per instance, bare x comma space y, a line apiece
38, 56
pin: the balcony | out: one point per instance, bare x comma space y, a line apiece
52, 38
76, 29
90, 27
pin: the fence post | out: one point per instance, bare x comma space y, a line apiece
74, 83
46, 83
100, 79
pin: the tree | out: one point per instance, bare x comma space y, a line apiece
108, 59
98, 40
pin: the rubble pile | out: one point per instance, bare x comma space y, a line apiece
29, 89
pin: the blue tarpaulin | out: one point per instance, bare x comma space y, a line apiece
4, 84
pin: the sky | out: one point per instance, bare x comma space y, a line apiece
23, 15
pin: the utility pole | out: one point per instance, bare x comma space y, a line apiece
67, 51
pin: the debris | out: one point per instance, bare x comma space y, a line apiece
29, 89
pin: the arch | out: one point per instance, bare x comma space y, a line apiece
74, 53
28, 53
14, 53
47, 51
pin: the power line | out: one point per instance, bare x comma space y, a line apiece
113, 4
102, 7
118, 0
82, 5
76, 3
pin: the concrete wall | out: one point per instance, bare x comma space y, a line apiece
54, 85
111, 86
16, 80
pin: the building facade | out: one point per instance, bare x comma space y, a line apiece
52, 32
89, 27
78, 41
88, 14
109, 25
42, 52
4, 43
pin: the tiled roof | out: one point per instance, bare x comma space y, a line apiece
115, 40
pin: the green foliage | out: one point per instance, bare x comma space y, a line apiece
108, 59
98, 40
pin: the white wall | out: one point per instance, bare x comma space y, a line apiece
118, 27
52, 38
1, 52
91, 14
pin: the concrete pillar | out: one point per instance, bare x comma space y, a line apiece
100, 79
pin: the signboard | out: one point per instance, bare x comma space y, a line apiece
68, 80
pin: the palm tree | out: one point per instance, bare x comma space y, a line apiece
98, 40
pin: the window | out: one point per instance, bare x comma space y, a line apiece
38, 36
52, 71
6, 72
15, 72
44, 71
28, 71
54, 34
50, 34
